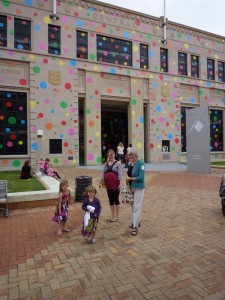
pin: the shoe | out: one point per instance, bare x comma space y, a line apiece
131, 225
134, 231
89, 240
93, 241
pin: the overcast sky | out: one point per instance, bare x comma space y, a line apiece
208, 15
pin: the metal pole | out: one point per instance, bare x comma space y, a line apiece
164, 24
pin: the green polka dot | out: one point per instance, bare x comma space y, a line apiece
23, 58
1, 146
157, 129
36, 69
5, 3
92, 56
88, 14
148, 36
168, 103
155, 68
218, 92
133, 101
63, 104
76, 147
11, 32
12, 120
173, 149
179, 35
56, 161
16, 163
53, 58
88, 111
200, 92
128, 72
111, 31
216, 155
99, 160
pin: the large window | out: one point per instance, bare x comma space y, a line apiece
22, 34
221, 71
210, 69
82, 44
13, 123
54, 39
3, 31
55, 146
194, 66
182, 63
114, 51
163, 60
143, 56
216, 130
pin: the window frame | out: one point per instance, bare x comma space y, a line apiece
80, 43
221, 78
3, 31
56, 39
182, 64
164, 60
221, 133
210, 77
145, 56
196, 67
20, 35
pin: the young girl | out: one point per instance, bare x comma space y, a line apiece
41, 164
92, 207
52, 172
61, 210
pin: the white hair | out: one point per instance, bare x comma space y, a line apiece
133, 151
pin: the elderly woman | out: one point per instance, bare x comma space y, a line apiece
112, 176
137, 181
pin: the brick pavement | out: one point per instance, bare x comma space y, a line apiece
179, 252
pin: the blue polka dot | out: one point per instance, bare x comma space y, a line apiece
155, 84
170, 136
34, 146
37, 27
7, 130
61, 135
126, 34
158, 108
20, 47
208, 83
112, 71
125, 49
9, 95
91, 97
151, 53
92, 9
23, 122
43, 85
28, 2
142, 120
79, 23
192, 100
73, 63
52, 111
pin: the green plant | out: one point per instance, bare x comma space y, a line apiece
218, 163
16, 185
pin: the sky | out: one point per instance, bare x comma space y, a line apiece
207, 15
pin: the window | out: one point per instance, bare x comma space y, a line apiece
13, 123
183, 128
210, 69
82, 44
22, 34
163, 60
114, 51
55, 146
3, 31
143, 56
194, 66
221, 71
216, 130
182, 63
54, 39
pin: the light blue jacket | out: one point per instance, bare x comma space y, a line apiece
139, 173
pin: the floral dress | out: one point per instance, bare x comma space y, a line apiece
62, 218
90, 218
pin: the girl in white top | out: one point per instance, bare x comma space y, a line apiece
120, 152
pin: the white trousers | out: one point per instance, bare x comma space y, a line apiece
136, 207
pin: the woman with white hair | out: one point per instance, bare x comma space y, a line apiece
137, 180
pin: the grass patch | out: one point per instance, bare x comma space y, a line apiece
16, 185
218, 163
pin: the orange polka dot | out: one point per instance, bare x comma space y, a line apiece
172, 116
5, 162
109, 90
91, 123
98, 29
133, 135
70, 151
18, 12
153, 96
49, 126
163, 132
143, 72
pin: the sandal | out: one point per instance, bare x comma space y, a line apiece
134, 231
131, 225
111, 220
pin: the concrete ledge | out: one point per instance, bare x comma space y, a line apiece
51, 193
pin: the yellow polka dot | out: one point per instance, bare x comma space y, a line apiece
181, 98
165, 83
164, 112
135, 48
20, 143
47, 20
67, 114
186, 46
97, 134
74, 161
95, 68
133, 113
32, 57
175, 79
158, 146
133, 32
102, 12
32, 104
151, 76
174, 63
80, 8
139, 145
60, 63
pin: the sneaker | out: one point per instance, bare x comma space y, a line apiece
93, 241
89, 240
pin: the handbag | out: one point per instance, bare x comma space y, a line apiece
127, 193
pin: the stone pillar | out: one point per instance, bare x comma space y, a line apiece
136, 116
92, 119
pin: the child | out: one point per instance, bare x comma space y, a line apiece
26, 170
92, 207
46, 165
61, 210
52, 172
41, 164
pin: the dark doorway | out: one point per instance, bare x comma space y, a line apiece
114, 128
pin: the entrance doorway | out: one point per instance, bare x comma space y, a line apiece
114, 124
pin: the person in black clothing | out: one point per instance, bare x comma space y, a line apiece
26, 170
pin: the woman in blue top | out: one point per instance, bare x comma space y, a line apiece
137, 181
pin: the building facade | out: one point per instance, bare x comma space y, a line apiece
77, 77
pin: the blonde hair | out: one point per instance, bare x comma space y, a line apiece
110, 151
120, 144
90, 188
62, 182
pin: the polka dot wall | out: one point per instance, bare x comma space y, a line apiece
54, 82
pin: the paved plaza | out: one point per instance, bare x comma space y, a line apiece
179, 252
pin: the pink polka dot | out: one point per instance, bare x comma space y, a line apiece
90, 156
42, 46
47, 101
71, 131
89, 80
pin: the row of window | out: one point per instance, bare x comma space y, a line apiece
109, 49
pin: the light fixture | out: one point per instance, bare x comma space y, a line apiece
54, 17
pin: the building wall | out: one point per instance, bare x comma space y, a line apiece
55, 83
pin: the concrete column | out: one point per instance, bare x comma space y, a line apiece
92, 119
